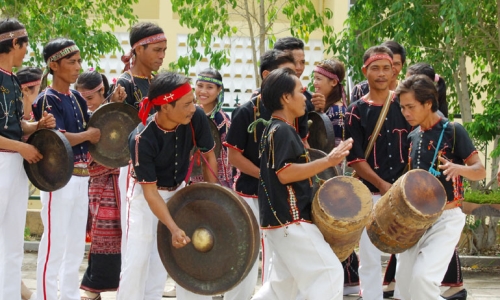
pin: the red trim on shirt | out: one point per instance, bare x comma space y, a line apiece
284, 167
357, 160
226, 144
473, 152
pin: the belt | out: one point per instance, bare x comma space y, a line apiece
168, 188
453, 204
82, 172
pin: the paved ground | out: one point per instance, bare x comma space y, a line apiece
481, 284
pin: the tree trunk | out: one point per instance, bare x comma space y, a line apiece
252, 42
262, 32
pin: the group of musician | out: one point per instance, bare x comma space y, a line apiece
264, 159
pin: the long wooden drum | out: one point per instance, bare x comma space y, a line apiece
400, 217
341, 209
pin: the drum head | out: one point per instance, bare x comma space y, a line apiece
55, 169
116, 121
328, 173
321, 134
219, 262
197, 169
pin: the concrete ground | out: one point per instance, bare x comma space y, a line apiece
482, 283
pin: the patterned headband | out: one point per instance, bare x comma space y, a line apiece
90, 92
31, 83
377, 57
326, 73
62, 53
209, 79
20, 33
150, 40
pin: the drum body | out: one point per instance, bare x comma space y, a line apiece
224, 236
323, 176
341, 209
400, 217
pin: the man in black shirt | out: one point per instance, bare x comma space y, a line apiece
388, 158
160, 152
303, 262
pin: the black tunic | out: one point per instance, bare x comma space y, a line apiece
390, 151
11, 106
162, 156
281, 146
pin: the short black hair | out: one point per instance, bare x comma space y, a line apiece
396, 48
212, 73
278, 83
426, 69
272, 59
89, 80
8, 25
142, 30
289, 43
29, 74
422, 88
377, 50
165, 82
55, 46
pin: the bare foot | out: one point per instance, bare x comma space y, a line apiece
452, 291
25, 292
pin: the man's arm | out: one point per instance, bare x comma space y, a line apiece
160, 210
92, 135
242, 163
473, 169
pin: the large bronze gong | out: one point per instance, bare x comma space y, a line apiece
55, 169
116, 121
321, 134
224, 239
198, 160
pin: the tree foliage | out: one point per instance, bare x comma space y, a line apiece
459, 38
80, 20
212, 19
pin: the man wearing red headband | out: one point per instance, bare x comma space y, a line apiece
160, 152
388, 157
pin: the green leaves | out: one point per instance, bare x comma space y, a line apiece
80, 20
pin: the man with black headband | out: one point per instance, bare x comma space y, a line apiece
388, 157
14, 182
160, 151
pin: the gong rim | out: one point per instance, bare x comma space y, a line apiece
55, 169
237, 236
321, 133
115, 121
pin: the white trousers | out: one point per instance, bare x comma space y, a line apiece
370, 266
245, 289
60, 253
143, 275
303, 263
123, 184
13, 205
422, 267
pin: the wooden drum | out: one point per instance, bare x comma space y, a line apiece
400, 217
341, 209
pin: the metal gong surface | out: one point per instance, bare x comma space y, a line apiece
55, 169
116, 121
321, 134
323, 176
224, 239
197, 169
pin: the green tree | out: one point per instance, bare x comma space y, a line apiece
81, 20
213, 19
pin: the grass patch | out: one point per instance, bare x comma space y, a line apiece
483, 197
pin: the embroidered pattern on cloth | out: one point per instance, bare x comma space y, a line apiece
20, 33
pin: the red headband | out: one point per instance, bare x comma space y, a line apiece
377, 57
31, 83
170, 97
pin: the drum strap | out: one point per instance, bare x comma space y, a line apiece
432, 170
378, 126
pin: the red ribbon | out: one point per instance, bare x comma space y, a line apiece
147, 104
377, 57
